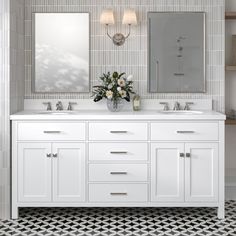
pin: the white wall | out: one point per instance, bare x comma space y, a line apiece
11, 86
4, 109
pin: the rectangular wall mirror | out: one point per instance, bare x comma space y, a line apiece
176, 52
60, 52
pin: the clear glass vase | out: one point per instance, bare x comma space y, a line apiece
115, 105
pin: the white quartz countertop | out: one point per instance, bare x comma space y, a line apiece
123, 115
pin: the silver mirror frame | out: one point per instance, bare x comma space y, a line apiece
33, 56
148, 54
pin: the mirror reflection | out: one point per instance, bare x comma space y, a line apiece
176, 52
61, 52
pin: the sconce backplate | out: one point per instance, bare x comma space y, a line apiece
118, 39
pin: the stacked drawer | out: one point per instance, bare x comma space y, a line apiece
118, 162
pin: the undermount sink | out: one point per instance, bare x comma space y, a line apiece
180, 112
56, 112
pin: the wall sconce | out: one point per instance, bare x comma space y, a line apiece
129, 18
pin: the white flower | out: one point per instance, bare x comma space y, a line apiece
118, 88
129, 78
121, 82
109, 94
122, 93
110, 86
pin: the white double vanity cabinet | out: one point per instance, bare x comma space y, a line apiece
141, 159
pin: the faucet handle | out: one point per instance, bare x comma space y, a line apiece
49, 106
70, 108
166, 106
187, 107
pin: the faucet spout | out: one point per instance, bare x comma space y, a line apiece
176, 106
59, 106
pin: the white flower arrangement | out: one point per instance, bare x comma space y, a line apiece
113, 86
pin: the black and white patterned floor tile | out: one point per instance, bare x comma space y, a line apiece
121, 222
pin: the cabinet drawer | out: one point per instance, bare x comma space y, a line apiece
51, 131
118, 131
118, 192
118, 151
117, 172
184, 131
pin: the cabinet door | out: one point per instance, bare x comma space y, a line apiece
201, 172
167, 172
68, 172
34, 172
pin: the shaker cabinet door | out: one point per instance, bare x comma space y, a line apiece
68, 172
34, 172
167, 172
201, 172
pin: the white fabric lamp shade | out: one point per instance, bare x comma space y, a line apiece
129, 17
107, 17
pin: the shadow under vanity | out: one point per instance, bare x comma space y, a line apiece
90, 157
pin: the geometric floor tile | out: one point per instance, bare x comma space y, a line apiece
121, 222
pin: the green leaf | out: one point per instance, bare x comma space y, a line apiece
127, 98
121, 75
97, 98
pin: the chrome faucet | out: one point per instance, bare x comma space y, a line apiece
70, 108
49, 106
59, 106
176, 106
187, 107
166, 107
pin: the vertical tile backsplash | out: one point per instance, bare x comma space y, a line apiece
132, 56
17, 73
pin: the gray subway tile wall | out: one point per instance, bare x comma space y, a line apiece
132, 56
17, 45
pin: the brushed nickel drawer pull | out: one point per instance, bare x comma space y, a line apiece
49, 155
51, 132
181, 154
118, 173
118, 152
116, 194
188, 155
185, 132
54, 155
118, 132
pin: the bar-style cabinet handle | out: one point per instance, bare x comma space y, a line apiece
118, 152
118, 131
51, 132
117, 194
118, 173
185, 132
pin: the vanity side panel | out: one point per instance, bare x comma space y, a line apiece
221, 208
14, 207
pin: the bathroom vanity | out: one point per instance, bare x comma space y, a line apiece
128, 159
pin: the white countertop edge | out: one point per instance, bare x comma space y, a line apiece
125, 115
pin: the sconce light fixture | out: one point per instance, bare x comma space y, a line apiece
129, 18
